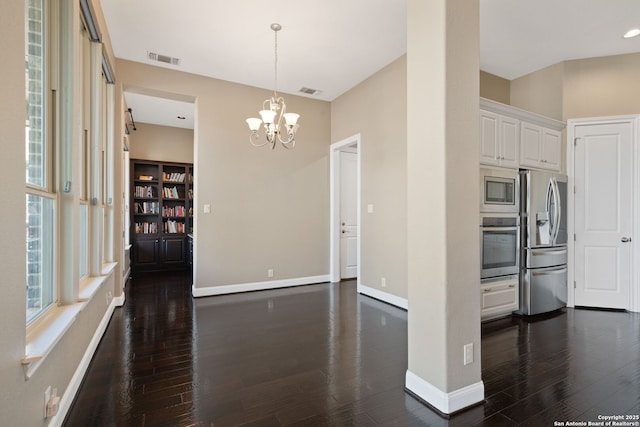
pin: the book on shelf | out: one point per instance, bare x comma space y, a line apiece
146, 228
145, 191
173, 227
146, 178
173, 176
170, 193
173, 211
147, 207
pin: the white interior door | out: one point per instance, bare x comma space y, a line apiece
603, 214
348, 215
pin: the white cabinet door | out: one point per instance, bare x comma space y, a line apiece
499, 140
509, 142
530, 142
550, 149
489, 152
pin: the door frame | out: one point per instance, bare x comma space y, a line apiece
334, 203
634, 288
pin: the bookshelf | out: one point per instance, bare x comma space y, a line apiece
161, 214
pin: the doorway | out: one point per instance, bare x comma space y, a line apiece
344, 227
603, 166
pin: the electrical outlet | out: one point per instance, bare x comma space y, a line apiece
383, 282
468, 353
47, 397
52, 405
270, 272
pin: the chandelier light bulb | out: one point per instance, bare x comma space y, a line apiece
274, 110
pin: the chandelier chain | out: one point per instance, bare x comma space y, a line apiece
275, 65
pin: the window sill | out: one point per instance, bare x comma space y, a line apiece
44, 338
90, 285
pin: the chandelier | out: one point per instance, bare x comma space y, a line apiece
274, 110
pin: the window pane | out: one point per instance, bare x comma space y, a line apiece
35, 90
84, 232
40, 286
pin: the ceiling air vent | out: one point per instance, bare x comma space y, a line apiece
308, 91
163, 58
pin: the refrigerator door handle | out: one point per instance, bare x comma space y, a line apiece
558, 209
548, 252
561, 270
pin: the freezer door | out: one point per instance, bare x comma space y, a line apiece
543, 208
544, 257
542, 290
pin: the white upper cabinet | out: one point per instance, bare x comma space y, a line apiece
539, 147
499, 140
514, 138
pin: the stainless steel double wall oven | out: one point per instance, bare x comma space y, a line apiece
499, 223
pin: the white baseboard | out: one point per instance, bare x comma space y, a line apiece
119, 301
383, 296
257, 286
72, 389
447, 403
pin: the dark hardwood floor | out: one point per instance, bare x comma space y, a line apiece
321, 355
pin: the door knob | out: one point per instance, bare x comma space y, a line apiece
625, 239
343, 231
343, 224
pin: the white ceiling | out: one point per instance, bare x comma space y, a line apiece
332, 45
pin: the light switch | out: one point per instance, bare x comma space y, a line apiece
369, 208
207, 208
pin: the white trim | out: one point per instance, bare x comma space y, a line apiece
446, 403
334, 203
74, 385
383, 296
257, 286
527, 116
634, 291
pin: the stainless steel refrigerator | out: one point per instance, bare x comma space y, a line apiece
543, 227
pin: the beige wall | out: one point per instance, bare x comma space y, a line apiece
161, 143
269, 208
540, 92
604, 86
21, 401
376, 109
580, 88
495, 88
17, 397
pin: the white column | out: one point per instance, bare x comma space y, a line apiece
442, 202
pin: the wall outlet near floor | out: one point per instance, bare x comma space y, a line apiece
383, 282
468, 353
47, 397
270, 272
51, 402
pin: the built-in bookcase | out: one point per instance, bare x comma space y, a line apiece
161, 214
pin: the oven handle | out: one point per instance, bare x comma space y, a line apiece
485, 228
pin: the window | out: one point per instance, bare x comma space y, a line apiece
40, 226
40, 202
35, 96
